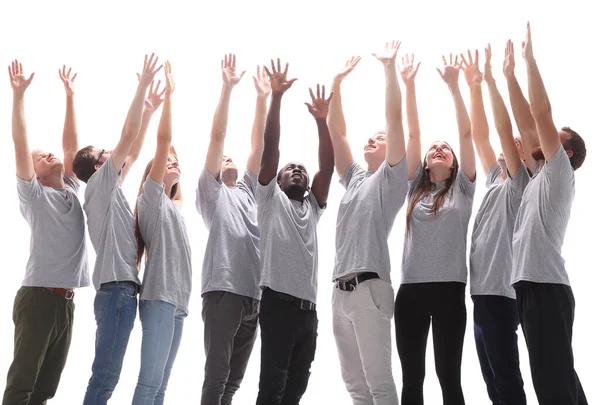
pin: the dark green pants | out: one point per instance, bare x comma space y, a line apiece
43, 327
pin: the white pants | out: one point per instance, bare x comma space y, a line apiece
362, 329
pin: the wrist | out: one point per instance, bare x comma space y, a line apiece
410, 84
454, 88
277, 95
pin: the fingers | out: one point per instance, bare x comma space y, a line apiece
30, 78
440, 72
287, 65
279, 65
273, 66
470, 57
330, 97
417, 68
312, 95
463, 58
477, 57
444, 60
267, 71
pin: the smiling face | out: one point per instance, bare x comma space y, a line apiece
439, 157
293, 176
46, 164
172, 172
375, 149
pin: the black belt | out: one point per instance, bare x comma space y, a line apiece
350, 285
304, 305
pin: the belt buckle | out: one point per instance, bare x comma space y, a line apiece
306, 305
69, 294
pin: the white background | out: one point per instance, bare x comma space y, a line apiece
105, 43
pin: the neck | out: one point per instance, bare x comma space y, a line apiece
52, 180
168, 189
373, 166
438, 176
295, 194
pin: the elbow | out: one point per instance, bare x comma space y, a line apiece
541, 111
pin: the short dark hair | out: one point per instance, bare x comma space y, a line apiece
576, 144
84, 162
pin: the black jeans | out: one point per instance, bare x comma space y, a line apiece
288, 343
547, 312
442, 305
496, 320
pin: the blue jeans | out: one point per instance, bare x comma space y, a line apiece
115, 308
162, 326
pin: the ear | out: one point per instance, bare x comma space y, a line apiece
569, 153
96, 167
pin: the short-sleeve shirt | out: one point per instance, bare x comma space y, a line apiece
435, 248
58, 256
231, 259
491, 242
111, 227
366, 216
168, 270
541, 223
288, 241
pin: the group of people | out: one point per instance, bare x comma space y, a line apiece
261, 258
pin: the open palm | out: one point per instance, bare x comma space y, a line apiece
18, 81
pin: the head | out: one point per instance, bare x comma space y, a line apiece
46, 165
375, 149
293, 180
519, 144
88, 160
229, 172
573, 144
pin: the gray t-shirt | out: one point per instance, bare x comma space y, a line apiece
110, 225
58, 256
288, 241
168, 270
491, 242
435, 249
542, 222
231, 259
365, 218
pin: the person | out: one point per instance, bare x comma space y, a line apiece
287, 218
495, 317
43, 308
363, 297
434, 268
162, 235
111, 224
231, 268
545, 299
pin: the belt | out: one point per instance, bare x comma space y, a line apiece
350, 285
304, 305
63, 292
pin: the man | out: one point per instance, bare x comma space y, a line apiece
544, 297
111, 224
44, 308
363, 297
287, 220
495, 315
231, 270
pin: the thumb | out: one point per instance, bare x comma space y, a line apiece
242, 73
30, 78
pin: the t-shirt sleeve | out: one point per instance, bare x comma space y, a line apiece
494, 175
150, 203
71, 182
465, 185
265, 195
412, 184
207, 195
248, 183
314, 204
101, 184
519, 181
353, 174
559, 177
28, 190
393, 183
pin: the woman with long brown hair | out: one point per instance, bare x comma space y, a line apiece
434, 268
162, 237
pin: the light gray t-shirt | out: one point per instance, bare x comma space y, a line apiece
168, 270
111, 226
365, 218
58, 257
435, 249
231, 259
288, 241
542, 222
491, 242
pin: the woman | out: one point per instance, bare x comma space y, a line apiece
434, 269
162, 235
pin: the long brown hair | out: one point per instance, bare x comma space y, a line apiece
175, 195
425, 187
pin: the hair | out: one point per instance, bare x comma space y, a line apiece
84, 162
576, 144
425, 187
175, 195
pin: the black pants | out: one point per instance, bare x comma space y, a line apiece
288, 343
442, 305
496, 321
547, 312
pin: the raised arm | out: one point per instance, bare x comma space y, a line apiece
408, 72
467, 152
19, 84
501, 118
322, 181
396, 149
263, 89
231, 77
164, 135
520, 108
70, 140
479, 123
270, 156
337, 123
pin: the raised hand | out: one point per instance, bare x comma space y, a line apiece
487, 68
471, 69
451, 71
408, 70
279, 82
231, 76
350, 65
388, 55
262, 83
18, 82
320, 106
67, 80
509, 60
169, 79
526, 45
149, 70
154, 99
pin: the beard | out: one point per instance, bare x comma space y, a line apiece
538, 154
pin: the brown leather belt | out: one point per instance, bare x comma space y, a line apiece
63, 292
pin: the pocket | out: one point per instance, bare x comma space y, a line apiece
381, 295
101, 303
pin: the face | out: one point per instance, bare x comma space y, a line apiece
538, 153
172, 172
439, 155
45, 163
294, 175
375, 148
228, 169
102, 156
